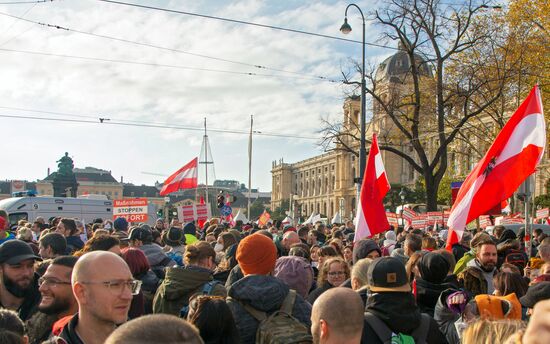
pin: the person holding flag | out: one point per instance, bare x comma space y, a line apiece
511, 159
371, 215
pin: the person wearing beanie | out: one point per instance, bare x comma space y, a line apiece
175, 242
190, 231
258, 289
366, 248
433, 268
296, 272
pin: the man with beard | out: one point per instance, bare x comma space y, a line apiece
103, 296
18, 288
57, 298
479, 273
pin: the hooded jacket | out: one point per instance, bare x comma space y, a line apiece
158, 260
399, 312
266, 294
475, 280
179, 285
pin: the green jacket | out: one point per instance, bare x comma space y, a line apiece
179, 285
463, 262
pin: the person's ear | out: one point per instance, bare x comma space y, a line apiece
324, 330
80, 293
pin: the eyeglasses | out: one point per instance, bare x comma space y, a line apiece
50, 282
336, 273
117, 287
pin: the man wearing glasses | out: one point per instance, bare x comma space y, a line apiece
18, 289
57, 299
103, 287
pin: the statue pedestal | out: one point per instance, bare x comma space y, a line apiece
65, 186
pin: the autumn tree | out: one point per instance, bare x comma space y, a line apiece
425, 109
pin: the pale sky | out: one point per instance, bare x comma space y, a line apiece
36, 77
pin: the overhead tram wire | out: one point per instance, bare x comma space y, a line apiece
108, 121
151, 64
165, 48
244, 22
24, 2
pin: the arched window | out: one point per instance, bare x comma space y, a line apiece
313, 187
353, 175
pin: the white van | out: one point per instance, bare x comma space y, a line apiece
29, 208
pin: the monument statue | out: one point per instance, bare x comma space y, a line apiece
64, 180
65, 165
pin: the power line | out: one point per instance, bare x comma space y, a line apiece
151, 64
24, 2
162, 48
236, 21
108, 121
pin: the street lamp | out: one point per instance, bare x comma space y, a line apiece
402, 196
345, 29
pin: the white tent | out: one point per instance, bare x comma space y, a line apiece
309, 220
336, 219
240, 216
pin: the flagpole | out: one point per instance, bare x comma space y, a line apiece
250, 164
206, 161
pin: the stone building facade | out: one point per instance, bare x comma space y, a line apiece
324, 184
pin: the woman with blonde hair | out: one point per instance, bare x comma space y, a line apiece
359, 281
333, 273
491, 332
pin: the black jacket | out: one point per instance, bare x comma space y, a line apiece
427, 294
266, 294
317, 292
69, 335
30, 302
400, 313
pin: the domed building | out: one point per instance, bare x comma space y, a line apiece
325, 184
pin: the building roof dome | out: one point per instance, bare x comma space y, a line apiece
397, 66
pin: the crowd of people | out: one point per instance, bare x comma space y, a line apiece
65, 281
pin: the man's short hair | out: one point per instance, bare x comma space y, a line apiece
485, 242
56, 241
155, 328
67, 261
303, 231
414, 242
342, 309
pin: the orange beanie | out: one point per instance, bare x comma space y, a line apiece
491, 307
256, 255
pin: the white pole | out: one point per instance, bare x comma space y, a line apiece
250, 165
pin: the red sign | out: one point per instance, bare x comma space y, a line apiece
392, 219
542, 213
484, 221
133, 210
420, 221
187, 213
408, 213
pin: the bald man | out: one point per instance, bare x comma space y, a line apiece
103, 287
289, 238
337, 317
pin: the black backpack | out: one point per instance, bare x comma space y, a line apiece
385, 334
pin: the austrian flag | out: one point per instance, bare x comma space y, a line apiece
184, 178
371, 215
512, 158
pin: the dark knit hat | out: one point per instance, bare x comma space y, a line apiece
296, 272
256, 255
120, 224
433, 267
174, 237
536, 293
190, 228
363, 247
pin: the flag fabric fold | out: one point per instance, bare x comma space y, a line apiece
184, 178
371, 215
513, 156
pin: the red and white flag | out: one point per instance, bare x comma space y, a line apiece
184, 178
513, 156
371, 215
